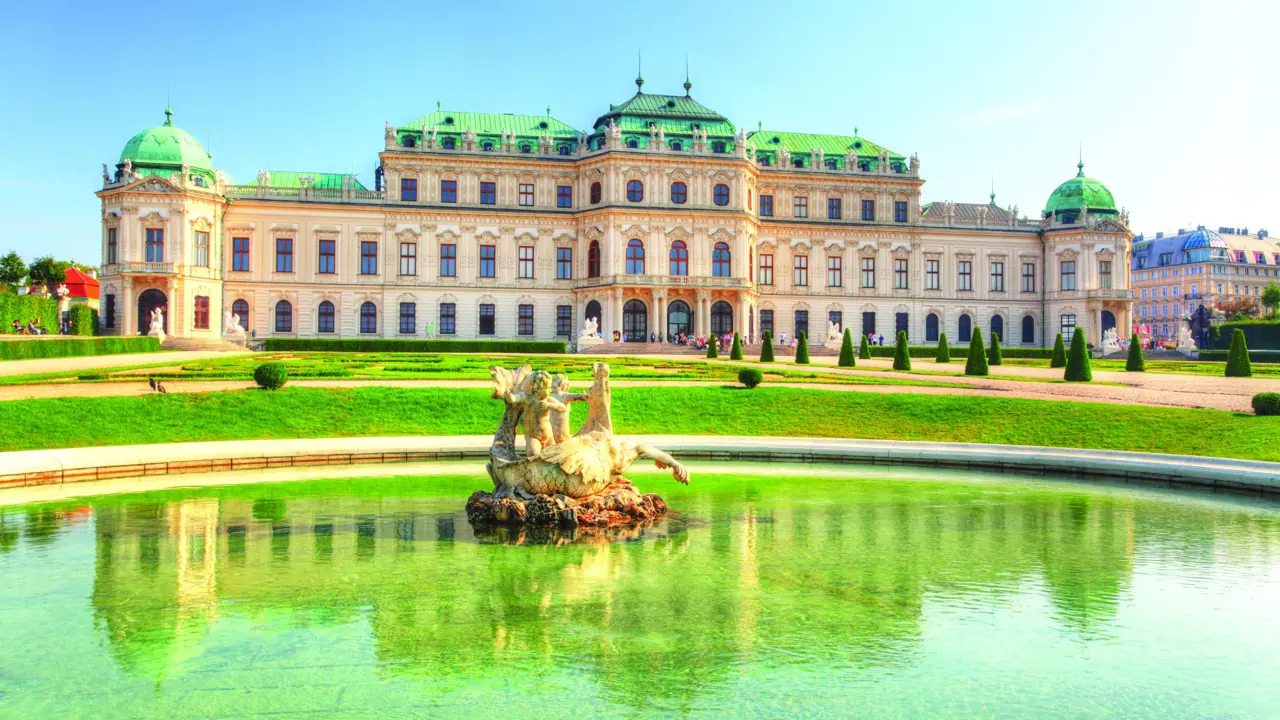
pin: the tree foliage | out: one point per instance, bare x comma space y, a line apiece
766, 349
48, 272
1238, 364
846, 350
1136, 362
1059, 358
977, 362
901, 357
944, 352
802, 348
1078, 368
12, 270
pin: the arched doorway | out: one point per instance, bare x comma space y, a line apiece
593, 311
679, 318
1108, 322
721, 318
148, 301
635, 321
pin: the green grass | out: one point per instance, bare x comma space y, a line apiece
374, 411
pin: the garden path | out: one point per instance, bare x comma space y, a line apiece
97, 362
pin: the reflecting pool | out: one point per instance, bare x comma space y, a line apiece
776, 592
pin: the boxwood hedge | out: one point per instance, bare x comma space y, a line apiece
35, 349
411, 346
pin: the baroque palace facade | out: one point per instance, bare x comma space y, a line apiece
663, 218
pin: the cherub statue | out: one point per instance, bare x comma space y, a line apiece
106, 174
599, 396
560, 419
536, 407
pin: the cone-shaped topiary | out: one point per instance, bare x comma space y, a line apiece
735, 352
864, 349
846, 350
712, 350
944, 352
994, 356
1078, 369
766, 350
1135, 363
802, 349
901, 356
1059, 358
1238, 364
977, 362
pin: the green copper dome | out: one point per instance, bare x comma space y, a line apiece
166, 147
1079, 192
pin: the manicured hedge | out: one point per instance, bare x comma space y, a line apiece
766, 347
25, 308
414, 346
931, 352
82, 321
1238, 356
74, 347
1258, 335
1257, 356
270, 376
1267, 403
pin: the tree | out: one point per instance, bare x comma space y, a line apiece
864, 349
735, 352
846, 350
977, 362
1059, 358
766, 350
1078, 369
1238, 308
1135, 363
995, 356
1271, 298
802, 349
901, 356
944, 352
48, 272
1238, 364
712, 352
12, 270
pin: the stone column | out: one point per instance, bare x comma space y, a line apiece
127, 308
660, 304
1097, 331
617, 313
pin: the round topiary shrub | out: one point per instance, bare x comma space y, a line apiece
270, 376
750, 377
1267, 403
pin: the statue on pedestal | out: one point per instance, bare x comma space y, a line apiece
157, 325
231, 324
833, 331
590, 328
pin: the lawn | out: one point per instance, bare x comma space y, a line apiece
373, 411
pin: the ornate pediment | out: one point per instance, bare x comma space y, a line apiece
679, 233
721, 234
153, 183
202, 224
565, 238
1109, 225
594, 233
447, 236
1106, 253
408, 234
487, 235
1067, 255
153, 219
901, 252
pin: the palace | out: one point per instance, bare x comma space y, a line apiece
663, 218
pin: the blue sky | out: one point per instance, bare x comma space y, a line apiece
1175, 103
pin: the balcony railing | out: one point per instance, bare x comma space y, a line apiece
321, 195
155, 268
703, 281
1111, 294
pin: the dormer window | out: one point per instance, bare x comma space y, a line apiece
1259, 258
764, 161
408, 141
543, 124
525, 149
448, 121
677, 146
632, 143
487, 146
564, 150
798, 162
1239, 256
717, 147
1165, 258
831, 164
448, 143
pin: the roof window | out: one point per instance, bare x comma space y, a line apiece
671, 103
448, 120
776, 140
487, 145
543, 124
857, 144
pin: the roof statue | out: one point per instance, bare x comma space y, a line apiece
390, 131
106, 174
915, 164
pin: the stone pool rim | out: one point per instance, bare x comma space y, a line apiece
74, 465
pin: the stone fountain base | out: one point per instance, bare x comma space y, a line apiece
619, 504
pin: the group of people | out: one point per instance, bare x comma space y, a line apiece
31, 328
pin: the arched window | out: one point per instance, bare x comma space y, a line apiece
676, 146
324, 319
931, 328
717, 147
284, 316
595, 193
721, 194
564, 150
1028, 330
241, 308
721, 318
997, 327
966, 328
632, 143
679, 258
448, 143
488, 145
635, 190
593, 259
409, 141
525, 148
635, 257
679, 193
720, 260
368, 318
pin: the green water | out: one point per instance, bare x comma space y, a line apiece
818, 592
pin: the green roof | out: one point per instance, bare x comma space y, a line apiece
1079, 192
677, 114
803, 143
526, 126
321, 181
165, 147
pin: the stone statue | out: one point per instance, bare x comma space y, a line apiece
157, 324
231, 324
106, 175
590, 328
1186, 344
537, 405
391, 132
914, 165
851, 161
833, 331
128, 169
560, 420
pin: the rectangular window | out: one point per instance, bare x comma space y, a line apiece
997, 276
1028, 277
966, 275
201, 317
408, 258
932, 275
868, 272
526, 262
448, 319
800, 274
766, 269
155, 245
1068, 275
800, 207
833, 208
284, 255
766, 206
564, 263
408, 318
448, 260
488, 261
486, 319
201, 244
1104, 274
835, 271
488, 193
564, 196
112, 243
564, 320
369, 257
408, 190
868, 210
526, 194
900, 273
524, 318
240, 254
766, 320
900, 212
110, 315
448, 191
1068, 327
328, 259
802, 322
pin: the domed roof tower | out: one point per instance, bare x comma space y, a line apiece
1079, 193
164, 150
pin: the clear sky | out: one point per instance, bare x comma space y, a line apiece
1174, 102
